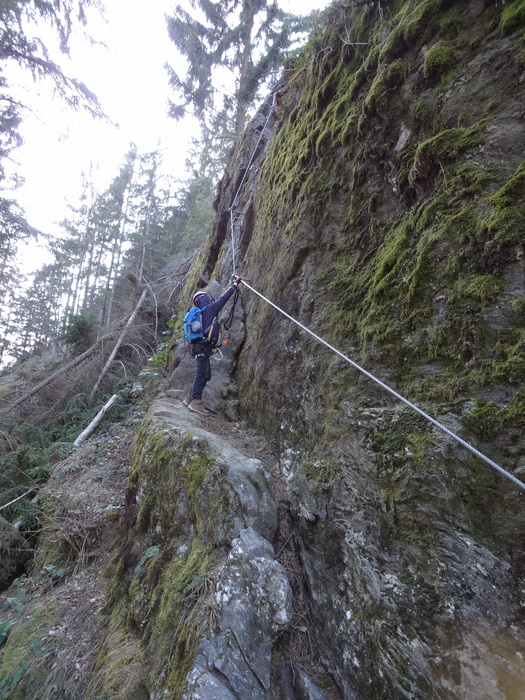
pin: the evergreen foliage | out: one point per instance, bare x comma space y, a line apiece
18, 46
81, 331
237, 43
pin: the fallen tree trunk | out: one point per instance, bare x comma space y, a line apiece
76, 361
117, 345
18, 498
96, 420
84, 356
8, 533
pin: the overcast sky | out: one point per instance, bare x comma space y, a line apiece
130, 81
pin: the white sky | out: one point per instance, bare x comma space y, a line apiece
130, 81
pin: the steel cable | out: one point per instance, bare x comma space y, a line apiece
391, 391
354, 364
241, 185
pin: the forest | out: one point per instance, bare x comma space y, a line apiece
99, 311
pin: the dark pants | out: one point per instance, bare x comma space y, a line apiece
202, 354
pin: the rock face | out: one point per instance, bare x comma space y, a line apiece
382, 207
196, 599
385, 213
195, 583
254, 597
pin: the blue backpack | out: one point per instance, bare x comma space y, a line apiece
193, 329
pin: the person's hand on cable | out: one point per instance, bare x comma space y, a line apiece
237, 282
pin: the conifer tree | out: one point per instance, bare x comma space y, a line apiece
135, 226
17, 45
240, 41
18, 19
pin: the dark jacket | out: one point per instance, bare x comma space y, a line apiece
210, 313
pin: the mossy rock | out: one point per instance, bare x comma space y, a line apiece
161, 570
22, 673
120, 668
513, 17
440, 58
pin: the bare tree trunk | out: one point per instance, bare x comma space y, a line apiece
96, 420
93, 290
7, 527
19, 522
116, 255
59, 372
117, 345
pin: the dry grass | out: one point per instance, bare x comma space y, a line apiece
78, 528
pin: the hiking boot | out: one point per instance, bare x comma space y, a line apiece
198, 407
188, 400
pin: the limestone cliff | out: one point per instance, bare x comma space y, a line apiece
381, 204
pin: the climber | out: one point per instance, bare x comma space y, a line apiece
202, 348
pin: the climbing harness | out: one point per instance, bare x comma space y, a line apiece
236, 223
217, 355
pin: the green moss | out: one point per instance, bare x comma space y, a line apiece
511, 192
444, 147
440, 58
413, 26
390, 257
513, 17
509, 368
185, 612
321, 471
418, 444
467, 180
120, 669
140, 441
505, 219
398, 291
518, 306
160, 586
178, 472
198, 468
22, 673
376, 97
403, 429
395, 73
484, 289
402, 444
380, 296
485, 419
515, 411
